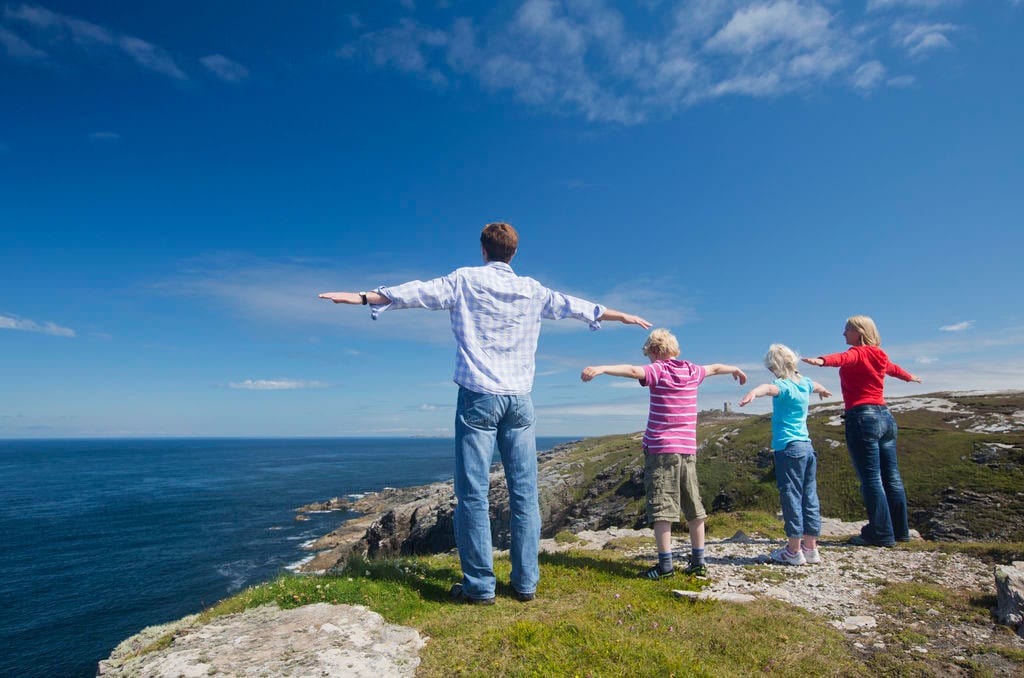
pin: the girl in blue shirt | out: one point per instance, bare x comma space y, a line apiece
795, 460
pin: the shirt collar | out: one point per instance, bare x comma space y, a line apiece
501, 265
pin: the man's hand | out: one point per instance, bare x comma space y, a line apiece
342, 297
590, 372
629, 319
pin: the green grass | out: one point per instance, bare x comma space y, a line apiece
593, 616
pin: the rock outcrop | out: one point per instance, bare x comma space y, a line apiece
1010, 596
313, 640
418, 520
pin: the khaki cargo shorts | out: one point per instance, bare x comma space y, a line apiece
670, 482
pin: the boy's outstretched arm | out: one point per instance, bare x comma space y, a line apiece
717, 368
627, 371
762, 390
821, 391
626, 318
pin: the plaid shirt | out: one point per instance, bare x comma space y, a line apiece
496, 317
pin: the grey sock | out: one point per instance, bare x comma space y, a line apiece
665, 561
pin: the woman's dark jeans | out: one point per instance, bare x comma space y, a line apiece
871, 439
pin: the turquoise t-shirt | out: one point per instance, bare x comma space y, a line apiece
789, 411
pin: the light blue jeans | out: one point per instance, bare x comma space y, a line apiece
481, 421
796, 474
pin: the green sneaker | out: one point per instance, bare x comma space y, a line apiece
695, 570
656, 573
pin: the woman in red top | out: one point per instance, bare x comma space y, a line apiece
871, 430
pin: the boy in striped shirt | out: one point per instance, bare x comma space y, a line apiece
670, 444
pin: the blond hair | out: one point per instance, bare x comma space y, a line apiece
865, 327
662, 344
781, 361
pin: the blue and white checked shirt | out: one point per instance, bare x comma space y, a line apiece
496, 317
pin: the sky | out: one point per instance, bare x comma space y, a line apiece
178, 182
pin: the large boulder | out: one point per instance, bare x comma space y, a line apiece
1010, 595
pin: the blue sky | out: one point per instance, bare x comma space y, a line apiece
178, 181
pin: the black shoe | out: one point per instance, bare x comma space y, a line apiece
458, 596
858, 540
656, 573
523, 597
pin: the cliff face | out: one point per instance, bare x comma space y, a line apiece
581, 486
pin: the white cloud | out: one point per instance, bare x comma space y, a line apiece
105, 136
579, 57
61, 31
958, 327
275, 384
754, 28
927, 360
8, 322
224, 68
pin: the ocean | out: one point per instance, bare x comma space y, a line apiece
102, 538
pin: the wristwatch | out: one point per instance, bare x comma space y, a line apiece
362, 295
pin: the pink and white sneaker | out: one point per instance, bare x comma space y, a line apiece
786, 558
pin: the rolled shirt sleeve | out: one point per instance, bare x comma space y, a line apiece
435, 295
559, 306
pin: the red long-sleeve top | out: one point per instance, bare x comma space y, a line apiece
862, 371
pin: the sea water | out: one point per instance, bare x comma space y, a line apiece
101, 538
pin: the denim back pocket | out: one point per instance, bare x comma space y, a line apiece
521, 412
478, 409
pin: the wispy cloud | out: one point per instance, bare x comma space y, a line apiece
284, 292
18, 48
868, 76
921, 39
958, 327
275, 384
224, 68
9, 322
582, 58
881, 5
62, 32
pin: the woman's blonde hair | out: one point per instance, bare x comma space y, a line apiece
865, 327
661, 343
781, 361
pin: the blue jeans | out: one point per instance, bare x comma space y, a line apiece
481, 421
796, 469
871, 439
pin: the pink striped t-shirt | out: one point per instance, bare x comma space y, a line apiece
672, 420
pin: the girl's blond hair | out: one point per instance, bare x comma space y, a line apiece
661, 343
781, 361
865, 327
